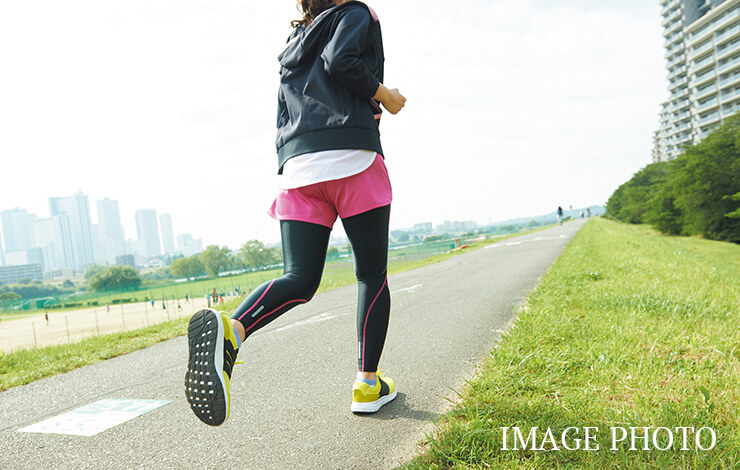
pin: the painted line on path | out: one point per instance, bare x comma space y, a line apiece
96, 417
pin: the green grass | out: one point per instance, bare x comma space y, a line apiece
25, 366
627, 328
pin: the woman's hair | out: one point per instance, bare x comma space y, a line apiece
311, 9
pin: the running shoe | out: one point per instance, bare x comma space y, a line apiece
367, 399
212, 353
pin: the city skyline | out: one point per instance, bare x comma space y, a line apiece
69, 240
505, 117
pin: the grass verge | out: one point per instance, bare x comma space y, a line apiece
628, 328
24, 366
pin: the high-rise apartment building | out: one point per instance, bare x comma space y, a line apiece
702, 41
148, 231
168, 237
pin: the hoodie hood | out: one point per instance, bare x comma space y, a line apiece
304, 42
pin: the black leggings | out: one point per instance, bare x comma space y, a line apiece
304, 252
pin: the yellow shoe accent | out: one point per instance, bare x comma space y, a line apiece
367, 399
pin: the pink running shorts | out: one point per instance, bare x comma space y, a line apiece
321, 203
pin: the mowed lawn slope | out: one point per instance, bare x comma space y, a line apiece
629, 328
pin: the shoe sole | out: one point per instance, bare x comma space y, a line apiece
373, 406
205, 387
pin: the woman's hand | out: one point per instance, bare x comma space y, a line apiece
391, 98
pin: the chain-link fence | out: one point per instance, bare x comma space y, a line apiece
57, 320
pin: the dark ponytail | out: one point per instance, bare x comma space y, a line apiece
311, 9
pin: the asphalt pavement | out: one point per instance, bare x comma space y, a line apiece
291, 397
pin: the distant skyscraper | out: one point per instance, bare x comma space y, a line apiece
703, 62
110, 242
54, 237
109, 218
189, 246
76, 207
17, 229
168, 238
148, 231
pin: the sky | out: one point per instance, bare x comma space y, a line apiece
514, 107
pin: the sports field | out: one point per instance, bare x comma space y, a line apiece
73, 325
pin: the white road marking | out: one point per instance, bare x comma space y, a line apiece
308, 321
410, 290
94, 418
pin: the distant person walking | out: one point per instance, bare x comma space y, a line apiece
331, 165
560, 215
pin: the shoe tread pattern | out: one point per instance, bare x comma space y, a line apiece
203, 387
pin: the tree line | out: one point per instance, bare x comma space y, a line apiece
213, 260
697, 193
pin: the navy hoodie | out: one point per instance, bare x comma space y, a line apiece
329, 73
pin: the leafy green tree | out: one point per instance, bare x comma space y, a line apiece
254, 255
216, 260
157, 274
115, 277
30, 289
736, 213
187, 267
631, 201
68, 284
697, 193
709, 176
9, 295
332, 253
93, 270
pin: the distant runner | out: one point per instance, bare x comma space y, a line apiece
331, 165
560, 215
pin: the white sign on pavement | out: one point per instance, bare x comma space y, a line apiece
95, 417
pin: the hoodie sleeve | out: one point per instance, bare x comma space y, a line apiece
342, 53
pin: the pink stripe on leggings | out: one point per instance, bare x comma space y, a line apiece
303, 301
258, 301
367, 315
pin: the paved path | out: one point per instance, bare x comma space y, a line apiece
291, 398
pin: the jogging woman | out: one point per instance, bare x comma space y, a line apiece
331, 165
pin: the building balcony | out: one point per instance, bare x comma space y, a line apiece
729, 65
709, 119
697, 51
680, 59
706, 92
673, 28
671, 16
729, 95
726, 52
727, 35
703, 79
730, 80
681, 82
707, 105
726, 19
702, 64
668, 5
